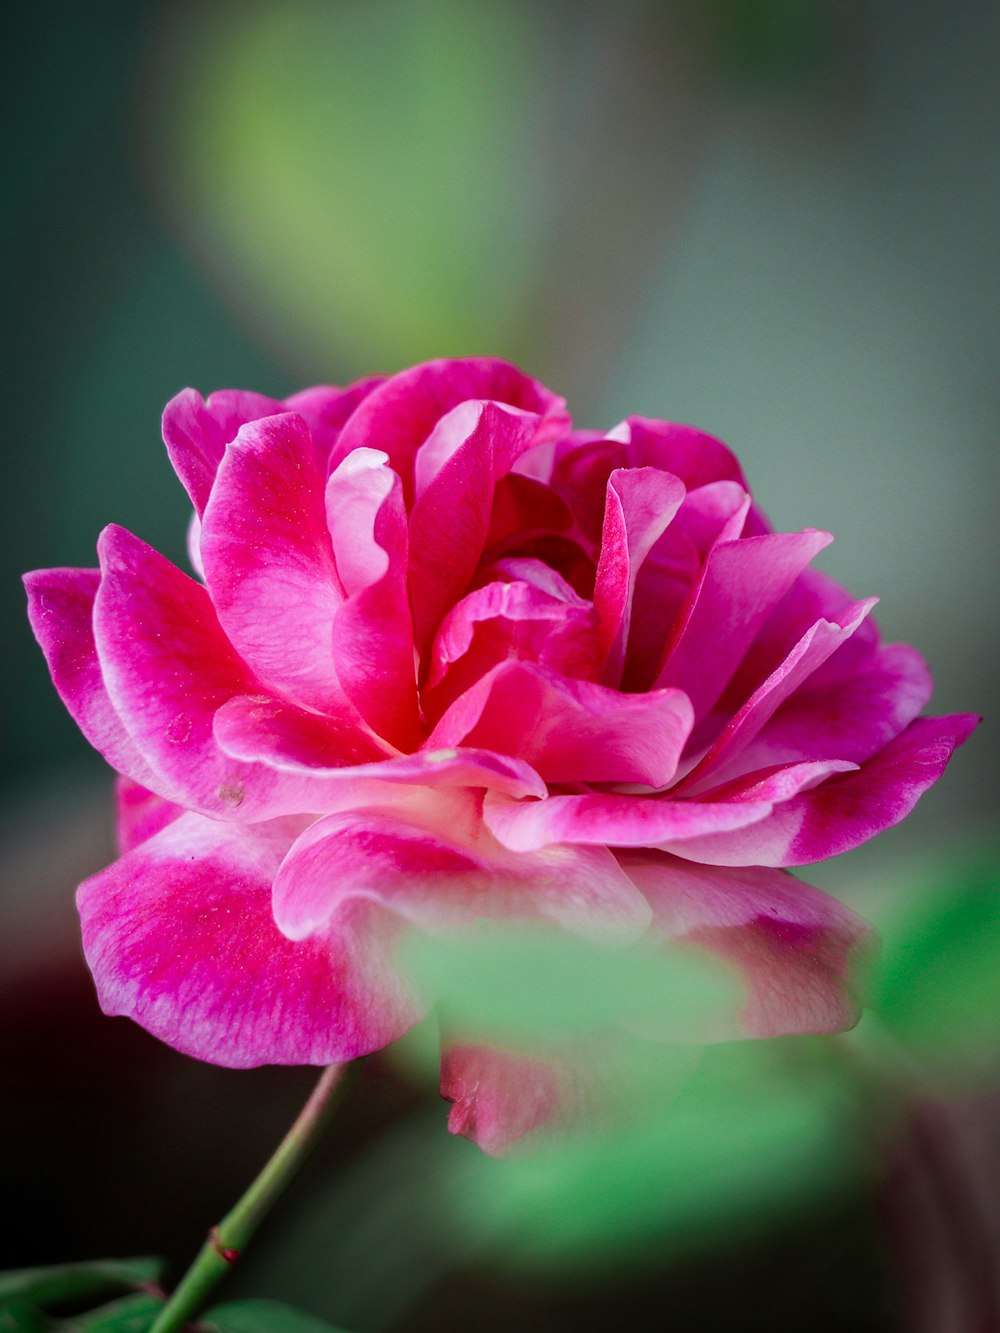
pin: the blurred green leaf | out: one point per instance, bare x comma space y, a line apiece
373, 189
514, 983
761, 1126
20, 1317
132, 1314
939, 986
79, 1281
262, 1317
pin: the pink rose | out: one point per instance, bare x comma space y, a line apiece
445, 660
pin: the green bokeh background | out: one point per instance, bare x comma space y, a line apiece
772, 218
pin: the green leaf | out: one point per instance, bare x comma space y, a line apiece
79, 1281
262, 1317
939, 986
20, 1317
132, 1314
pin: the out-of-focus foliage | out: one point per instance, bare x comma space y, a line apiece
365, 170
77, 1281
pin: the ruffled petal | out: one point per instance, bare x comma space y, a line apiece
269, 562
741, 583
372, 631
571, 730
639, 506
796, 951
196, 431
61, 612
140, 813
614, 820
180, 937
844, 811
435, 868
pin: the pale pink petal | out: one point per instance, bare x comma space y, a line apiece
500, 1097
639, 506
180, 937
320, 751
741, 583
471, 448
844, 811
372, 631
140, 813
61, 611
400, 413
437, 869
269, 563
571, 730
614, 820
796, 950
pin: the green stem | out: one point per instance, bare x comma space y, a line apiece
227, 1241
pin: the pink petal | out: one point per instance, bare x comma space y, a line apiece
180, 937
168, 667
549, 625
571, 730
500, 1097
372, 631
197, 430
796, 950
614, 820
470, 448
844, 811
141, 813
742, 581
814, 648
321, 752
639, 507
698, 459
401, 412
269, 563
61, 611
436, 868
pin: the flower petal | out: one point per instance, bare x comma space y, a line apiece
614, 820
180, 937
61, 612
140, 813
435, 868
796, 950
401, 412
844, 811
740, 584
196, 431
571, 730
372, 631
269, 562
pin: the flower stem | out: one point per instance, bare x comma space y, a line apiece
227, 1241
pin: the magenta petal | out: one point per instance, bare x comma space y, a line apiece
844, 811
401, 412
796, 950
639, 506
470, 450
269, 563
500, 1097
697, 458
432, 866
196, 432
814, 648
372, 631
141, 813
180, 937
614, 820
319, 751
571, 730
61, 611
168, 667
742, 581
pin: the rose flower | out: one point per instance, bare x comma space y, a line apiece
446, 660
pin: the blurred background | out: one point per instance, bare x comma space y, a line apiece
775, 219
